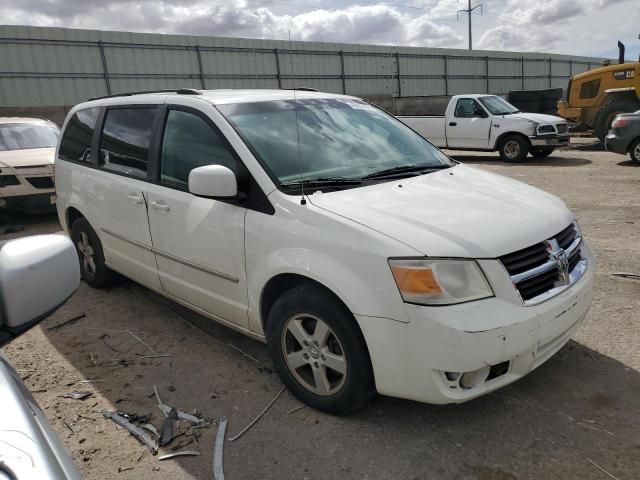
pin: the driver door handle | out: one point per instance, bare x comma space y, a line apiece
135, 198
453, 124
160, 205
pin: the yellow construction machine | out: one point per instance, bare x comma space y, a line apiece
595, 97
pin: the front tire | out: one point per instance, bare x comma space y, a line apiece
541, 152
634, 150
319, 352
513, 148
92, 266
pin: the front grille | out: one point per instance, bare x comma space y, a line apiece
41, 182
7, 180
562, 128
534, 271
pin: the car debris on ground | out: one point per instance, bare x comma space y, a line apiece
255, 420
78, 395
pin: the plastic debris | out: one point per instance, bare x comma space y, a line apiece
137, 432
245, 429
68, 322
168, 427
78, 395
181, 415
179, 454
218, 471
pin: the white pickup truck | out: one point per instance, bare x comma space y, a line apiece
489, 123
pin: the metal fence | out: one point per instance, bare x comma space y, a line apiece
52, 67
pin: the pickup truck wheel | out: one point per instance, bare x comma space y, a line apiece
513, 148
319, 351
541, 152
92, 266
634, 150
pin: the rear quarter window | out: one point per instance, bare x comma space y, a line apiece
125, 140
76, 140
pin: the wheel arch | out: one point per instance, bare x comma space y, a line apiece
71, 214
504, 135
277, 285
283, 282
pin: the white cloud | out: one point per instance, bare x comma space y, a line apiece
561, 26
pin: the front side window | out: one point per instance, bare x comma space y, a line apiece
24, 136
497, 105
468, 108
189, 142
328, 137
76, 141
590, 89
124, 144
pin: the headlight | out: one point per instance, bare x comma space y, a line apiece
439, 282
545, 129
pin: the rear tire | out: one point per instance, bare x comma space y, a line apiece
608, 111
541, 152
92, 266
328, 369
634, 150
513, 148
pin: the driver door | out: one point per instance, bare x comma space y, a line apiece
470, 126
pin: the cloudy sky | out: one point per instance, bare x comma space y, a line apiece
583, 27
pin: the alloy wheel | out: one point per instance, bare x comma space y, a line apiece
314, 354
87, 253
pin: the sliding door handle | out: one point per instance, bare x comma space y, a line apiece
160, 205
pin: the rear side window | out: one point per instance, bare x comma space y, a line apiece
590, 89
189, 142
76, 141
125, 139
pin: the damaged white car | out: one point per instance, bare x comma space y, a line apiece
27, 147
361, 254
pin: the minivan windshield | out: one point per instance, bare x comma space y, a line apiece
497, 105
330, 139
22, 136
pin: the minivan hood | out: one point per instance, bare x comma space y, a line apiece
29, 157
538, 117
457, 212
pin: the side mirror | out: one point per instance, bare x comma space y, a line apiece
213, 181
37, 275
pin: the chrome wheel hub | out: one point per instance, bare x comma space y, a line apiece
512, 149
314, 354
86, 253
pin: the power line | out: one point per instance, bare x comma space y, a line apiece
470, 10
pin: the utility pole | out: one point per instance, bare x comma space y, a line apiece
470, 10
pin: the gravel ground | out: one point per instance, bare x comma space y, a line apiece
577, 416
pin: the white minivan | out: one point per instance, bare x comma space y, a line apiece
363, 256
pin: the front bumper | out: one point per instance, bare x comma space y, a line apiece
616, 144
549, 140
27, 188
424, 360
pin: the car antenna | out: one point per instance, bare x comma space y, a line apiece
303, 201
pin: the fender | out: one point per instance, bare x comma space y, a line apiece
364, 293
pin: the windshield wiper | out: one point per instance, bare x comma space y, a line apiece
323, 182
402, 169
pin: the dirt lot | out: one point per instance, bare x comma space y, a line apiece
577, 416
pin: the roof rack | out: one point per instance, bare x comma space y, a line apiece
303, 89
179, 91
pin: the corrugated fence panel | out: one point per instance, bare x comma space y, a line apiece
423, 87
42, 66
150, 61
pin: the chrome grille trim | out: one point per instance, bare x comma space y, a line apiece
563, 268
